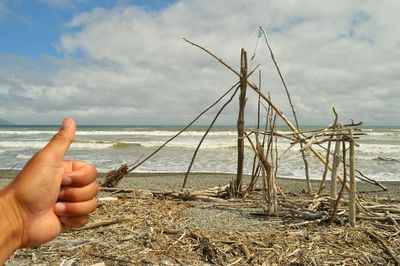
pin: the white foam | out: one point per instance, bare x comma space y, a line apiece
378, 148
23, 156
26, 132
9, 145
119, 132
22, 144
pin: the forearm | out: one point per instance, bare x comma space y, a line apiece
10, 226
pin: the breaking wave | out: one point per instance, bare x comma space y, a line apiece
386, 159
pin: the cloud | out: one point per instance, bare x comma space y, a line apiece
130, 65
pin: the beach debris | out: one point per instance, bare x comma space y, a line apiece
163, 229
68, 262
102, 223
112, 178
107, 199
99, 264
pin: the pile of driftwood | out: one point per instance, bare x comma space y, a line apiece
142, 227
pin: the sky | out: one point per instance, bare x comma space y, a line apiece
125, 62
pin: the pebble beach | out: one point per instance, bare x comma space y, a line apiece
129, 229
174, 181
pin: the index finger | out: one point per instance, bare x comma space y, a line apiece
81, 174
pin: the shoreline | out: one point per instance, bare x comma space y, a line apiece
174, 181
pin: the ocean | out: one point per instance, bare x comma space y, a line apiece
107, 147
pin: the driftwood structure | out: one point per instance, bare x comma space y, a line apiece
264, 145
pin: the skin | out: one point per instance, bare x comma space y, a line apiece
48, 196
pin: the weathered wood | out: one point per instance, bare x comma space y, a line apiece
328, 153
269, 186
334, 172
383, 244
240, 121
352, 197
102, 223
113, 177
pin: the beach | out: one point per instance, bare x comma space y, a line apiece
148, 220
141, 228
174, 181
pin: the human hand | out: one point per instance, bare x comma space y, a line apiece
51, 194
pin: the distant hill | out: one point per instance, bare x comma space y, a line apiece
5, 123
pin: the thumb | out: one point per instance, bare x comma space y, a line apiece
61, 141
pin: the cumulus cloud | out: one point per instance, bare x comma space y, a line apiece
130, 65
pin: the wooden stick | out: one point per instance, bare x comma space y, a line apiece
208, 52
240, 121
256, 162
374, 218
114, 189
260, 150
336, 204
102, 223
328, 153
272, 183
334, 172
352, 198
245, 251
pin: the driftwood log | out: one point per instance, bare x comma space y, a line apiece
113, 177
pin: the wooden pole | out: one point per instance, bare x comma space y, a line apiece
352, 197
240, 121
328, 152
335, 165
272, 183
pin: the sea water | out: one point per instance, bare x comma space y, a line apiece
107, 147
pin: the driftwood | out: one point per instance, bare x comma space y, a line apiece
102, 223
113, 177
382, 243
240, 122
328, 153
352, 198
296, 133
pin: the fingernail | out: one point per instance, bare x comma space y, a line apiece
66, 122
59, 208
